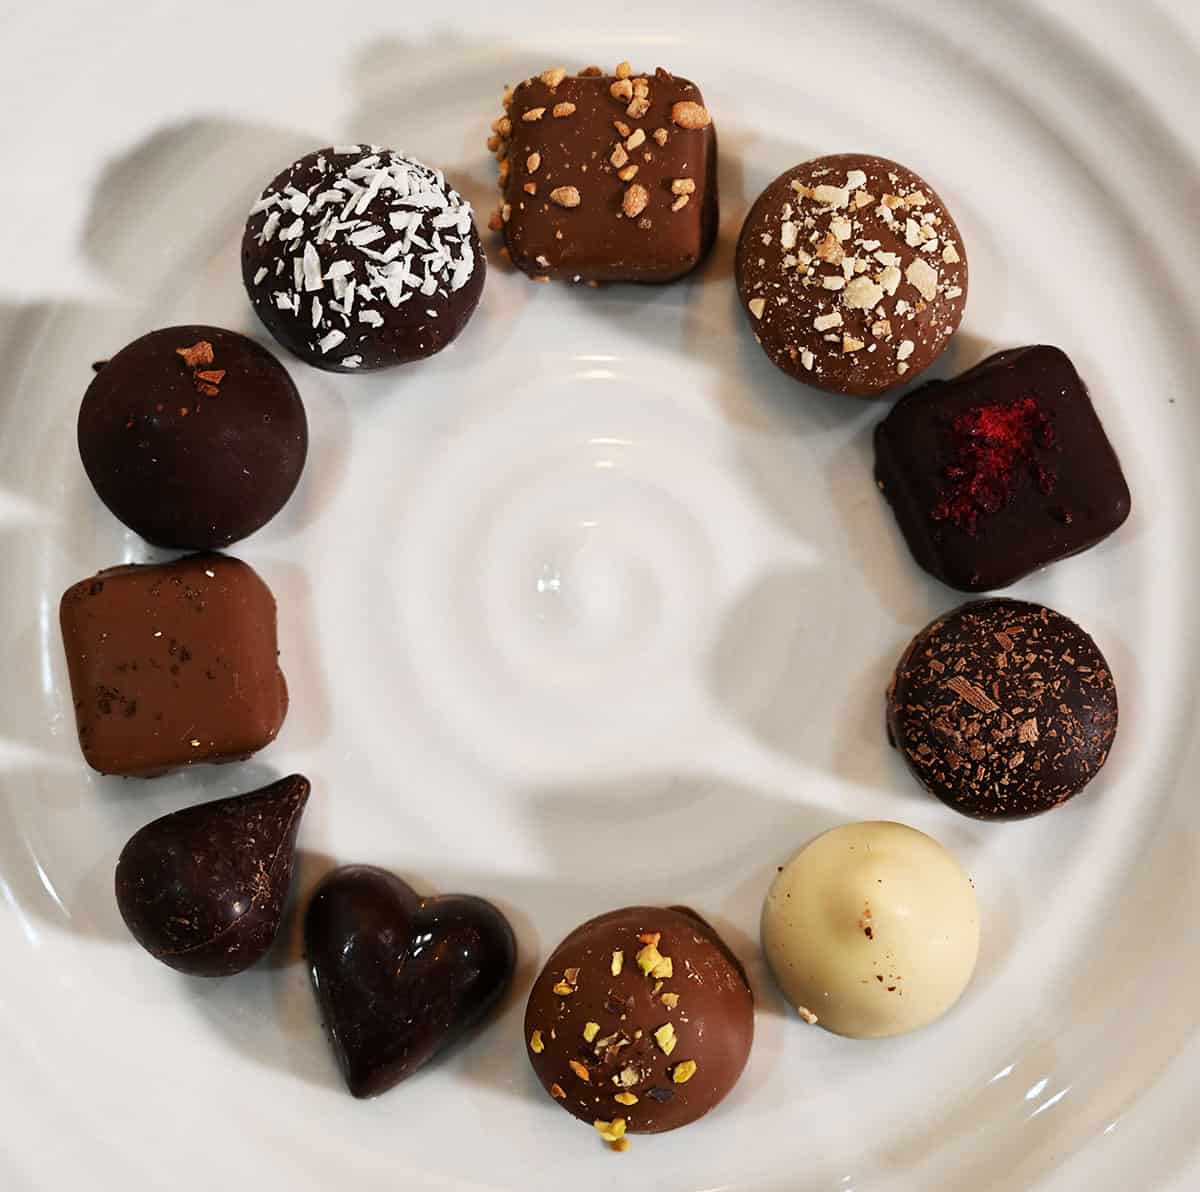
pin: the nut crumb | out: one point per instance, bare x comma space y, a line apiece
637, 138
618, 962
556, 1091
533, 161
638, 107
684, 1071
532, 114
681, 202
660, 136
622, 89
565, 196
628, 173
552, 78
689, 114
580, 1070
807, 1015
633, 203
566, 108
683, 186
623, 71
757, 306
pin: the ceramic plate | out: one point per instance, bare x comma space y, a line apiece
597, 607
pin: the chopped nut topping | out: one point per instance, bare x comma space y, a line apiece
506, 212
503, 171
641, 89
620, 1146
533, 161
831, 196
950, 255
681, 202
651, 938
535, 1043
683, 186
611, 1131
757, 306
825, 322
530, 188
502, 126
688, 114
579, 1070
830, 249
638, 107
626, 1098
850, 344
684, 1072
633, 203
566, 108
660, 136
881, 329
590, 72
664, 969
649, 957
493, 143
590, 1031
507, 97
670, 1000
833, 282
622, 89
556, 1091
905, 350
532, 114
923, 276
637, 138
618, 157
807, 1015
199, 355
572, 975
618, 963
565, 196
563, 989
862, 294
622, 128
628, 173
665, 1038
627, 1077
863, 199
623, 71
552, 78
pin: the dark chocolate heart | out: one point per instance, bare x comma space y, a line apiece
398, 978
203, 889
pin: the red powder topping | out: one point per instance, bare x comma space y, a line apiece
991, 445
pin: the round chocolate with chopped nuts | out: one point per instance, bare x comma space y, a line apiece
357, 257
1003, 709
641, 1021
193, 436
852, 273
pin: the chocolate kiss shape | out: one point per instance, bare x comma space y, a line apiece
203, 889
398, 978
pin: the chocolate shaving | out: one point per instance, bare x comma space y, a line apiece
966, 690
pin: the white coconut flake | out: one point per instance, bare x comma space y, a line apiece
350, 361
825, 322
259, 274
268, 228
330, 341
293, 230
263, 203
316, 312
372, 318
312, 267
905, 350
924, 277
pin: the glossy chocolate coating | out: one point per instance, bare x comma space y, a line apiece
1003, 709
185, 459
399, 978
891, 314
596, 241
1064, 490
172, 664
359, 258
203, 889
713, 1020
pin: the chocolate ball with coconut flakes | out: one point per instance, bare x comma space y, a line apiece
357, 257
852, 274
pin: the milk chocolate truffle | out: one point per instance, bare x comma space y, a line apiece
398, 977
203, 889
641, 1021
852, 273
871, 930
1002, 709
356, 257
1000, 471
606, 177
172, 664
193, 436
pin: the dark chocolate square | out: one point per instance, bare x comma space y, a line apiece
172, 664
1000, 471
579, 153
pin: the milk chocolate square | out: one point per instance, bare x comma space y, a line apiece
172, 664
607, 178
1001, 470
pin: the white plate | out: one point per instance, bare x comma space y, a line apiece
597, 607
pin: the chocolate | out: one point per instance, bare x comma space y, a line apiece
852, 273
172, 664
203, 889
194, 437
606, 177
357, 257
399, 978
1002, 709
641, 1017
1001, 470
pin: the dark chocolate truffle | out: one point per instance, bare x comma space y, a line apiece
356, 257
193, 436
606, 177
852, 273
1001, 470
172, 663
1003, 709
203, 889
398, 977
641, 1021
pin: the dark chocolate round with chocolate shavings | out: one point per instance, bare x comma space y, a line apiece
1003, 709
